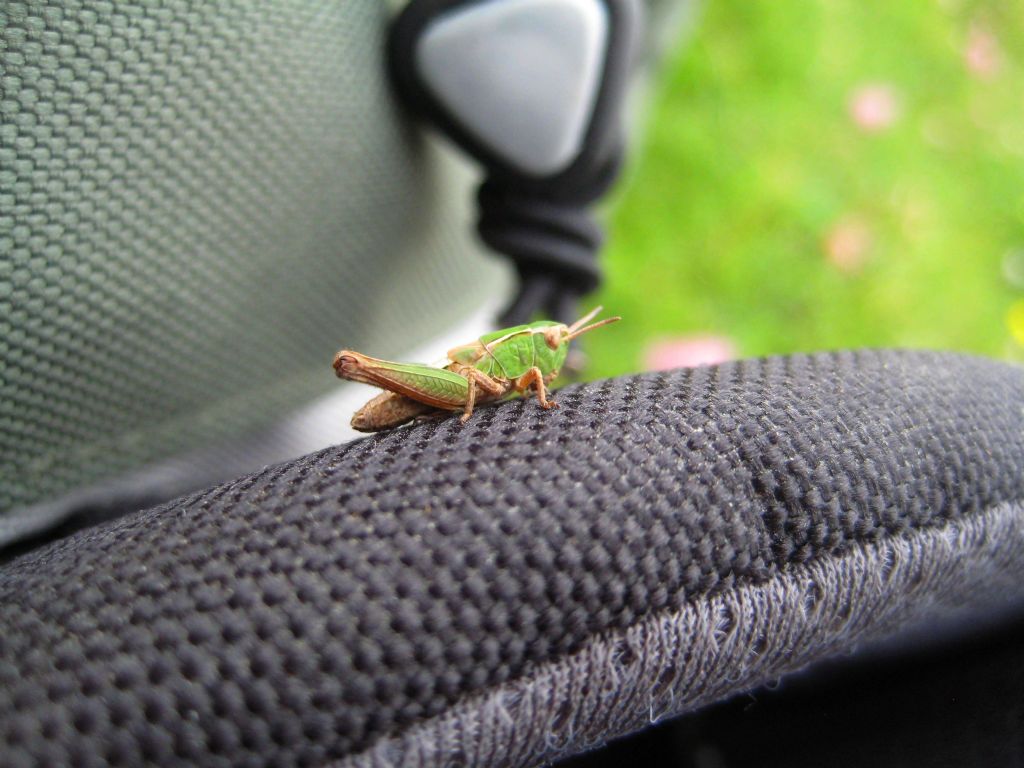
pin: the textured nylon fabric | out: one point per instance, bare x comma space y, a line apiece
681, 659
199, 202
310, 610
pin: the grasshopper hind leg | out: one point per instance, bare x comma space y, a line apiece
389, 410
470, 401
481, 387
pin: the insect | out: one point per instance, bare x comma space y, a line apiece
512, 360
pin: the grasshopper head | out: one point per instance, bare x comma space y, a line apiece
556, 335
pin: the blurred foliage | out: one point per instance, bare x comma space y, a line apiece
835, 173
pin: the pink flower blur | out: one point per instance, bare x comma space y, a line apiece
982, 54
688, 351
874, 107
847, 244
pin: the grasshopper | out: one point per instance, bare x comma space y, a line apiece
512, 360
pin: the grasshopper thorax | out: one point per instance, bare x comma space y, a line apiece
510, 352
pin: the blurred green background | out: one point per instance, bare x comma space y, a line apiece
814, 175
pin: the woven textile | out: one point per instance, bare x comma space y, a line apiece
199, 201
749, 636
314, 609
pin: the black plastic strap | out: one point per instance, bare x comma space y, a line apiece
544, 225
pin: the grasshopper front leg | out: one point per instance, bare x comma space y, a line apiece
535, 377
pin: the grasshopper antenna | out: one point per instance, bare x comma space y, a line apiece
585, 319
578, 329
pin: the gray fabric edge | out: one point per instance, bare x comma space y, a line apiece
712, 648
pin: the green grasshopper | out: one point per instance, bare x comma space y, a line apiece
495, 365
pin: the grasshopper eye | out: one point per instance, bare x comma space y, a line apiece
553, 336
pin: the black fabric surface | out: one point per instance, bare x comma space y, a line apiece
300, 613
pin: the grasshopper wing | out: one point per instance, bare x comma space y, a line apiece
436, 387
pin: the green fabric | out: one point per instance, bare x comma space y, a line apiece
199, 203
